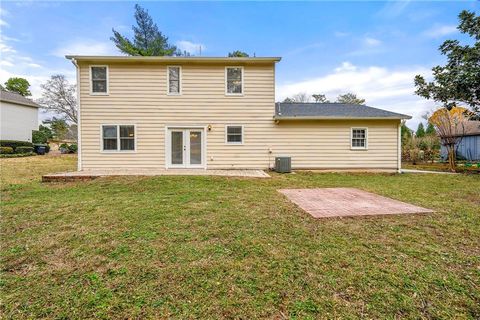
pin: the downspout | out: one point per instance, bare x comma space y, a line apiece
399, 151
79, 131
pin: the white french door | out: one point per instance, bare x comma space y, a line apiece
186, 148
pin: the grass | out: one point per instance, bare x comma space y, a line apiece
213, 247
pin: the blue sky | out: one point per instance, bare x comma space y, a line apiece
371, 48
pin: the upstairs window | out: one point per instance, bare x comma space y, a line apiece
118, 137
234, 134
174, 79
99, 78
234, 80
359, 138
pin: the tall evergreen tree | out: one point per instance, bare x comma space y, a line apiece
420, 131
430, 130
147, 41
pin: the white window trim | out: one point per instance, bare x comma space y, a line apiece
226, 82
180, 83
226, 134
118, 138
91, 82
366, 138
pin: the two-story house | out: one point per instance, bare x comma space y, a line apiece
218, 113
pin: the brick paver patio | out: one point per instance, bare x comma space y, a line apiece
345, 202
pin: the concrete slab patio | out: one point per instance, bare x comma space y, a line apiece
347, 202
92, 174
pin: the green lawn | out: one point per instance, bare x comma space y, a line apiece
213, 247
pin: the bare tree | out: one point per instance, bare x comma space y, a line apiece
450, 126
59, 96
301, 97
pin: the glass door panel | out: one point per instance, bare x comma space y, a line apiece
195, 147
177, 147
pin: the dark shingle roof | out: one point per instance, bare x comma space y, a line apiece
16, 98
297, 110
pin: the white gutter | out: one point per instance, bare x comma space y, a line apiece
339, 118
79, 130
399, 145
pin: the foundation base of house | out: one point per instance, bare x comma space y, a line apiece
93, 174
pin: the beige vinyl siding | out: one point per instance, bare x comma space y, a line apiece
138, 95
326, 143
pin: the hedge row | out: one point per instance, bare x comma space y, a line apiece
17, 155
6, 150
14, 144
24, 150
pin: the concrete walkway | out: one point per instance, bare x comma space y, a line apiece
92, 174
425, 171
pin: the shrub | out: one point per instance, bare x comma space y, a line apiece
14, 144
73, 148
6, 150
24, 150
39, 137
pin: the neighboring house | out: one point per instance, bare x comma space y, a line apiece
469, 145
18, 117
218, 113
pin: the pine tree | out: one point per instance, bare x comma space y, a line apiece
430, 130
420, 131
237, 53
350, 98
320, 98
148, 40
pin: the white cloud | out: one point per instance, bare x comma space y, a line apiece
85, 47
372, 42
440, 31
381, 87
191, 47
341, 34
346, 66
393, 9
17, 64
3, 23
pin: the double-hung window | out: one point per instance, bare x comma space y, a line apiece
234, 80
234, 134
118, 137
99, 79
174, 80
359, 138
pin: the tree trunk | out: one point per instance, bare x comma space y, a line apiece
451, 157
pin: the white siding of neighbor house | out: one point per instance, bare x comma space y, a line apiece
138, 95
17, 121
